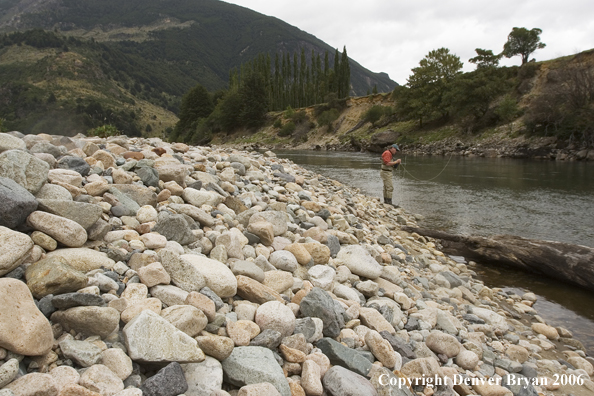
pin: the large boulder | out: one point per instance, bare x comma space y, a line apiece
16, 203
14, 249
25, 169
23, 328
254, 365
150, 338
218, 277
359, 261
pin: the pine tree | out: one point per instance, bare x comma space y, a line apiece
345, 75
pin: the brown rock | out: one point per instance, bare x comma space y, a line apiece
300, 252
254, 291
216, 346
375, 321
101, 321
242, 331
203, 303
292, 355
320, 253
133, 154
153, 304
76, 390
53, 275
23, 328
34, 384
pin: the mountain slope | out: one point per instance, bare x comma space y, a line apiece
199, 40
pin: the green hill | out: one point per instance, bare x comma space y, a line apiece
196, 41
129, 62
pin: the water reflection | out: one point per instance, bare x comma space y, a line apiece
535, 199
558, 303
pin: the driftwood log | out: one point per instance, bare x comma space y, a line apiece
556, 260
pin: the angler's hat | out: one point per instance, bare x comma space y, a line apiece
396, 147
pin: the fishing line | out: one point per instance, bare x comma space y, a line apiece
435, 177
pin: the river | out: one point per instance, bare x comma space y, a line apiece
486, 196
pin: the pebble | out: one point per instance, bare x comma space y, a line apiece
198, 270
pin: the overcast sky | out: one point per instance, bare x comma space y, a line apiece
392, 36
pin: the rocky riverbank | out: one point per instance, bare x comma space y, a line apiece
133, 266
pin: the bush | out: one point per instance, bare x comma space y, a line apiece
104, 131
289, 112
278, 123
328, 117
375, 113
287, 129
299, 117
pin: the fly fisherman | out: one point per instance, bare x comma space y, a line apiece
388, 166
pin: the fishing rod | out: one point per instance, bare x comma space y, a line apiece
405, 171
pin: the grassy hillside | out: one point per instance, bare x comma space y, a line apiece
65, 86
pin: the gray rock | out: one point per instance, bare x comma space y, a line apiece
268, 338
399, 345
98, 230
53, 191
203, 378
126, 201
70, 300
195, 213
334, 245
45, 305
508, 365
9, 142
452, 278
341, 355
151, 338
148, 175
252, 365
183, 274
359, 261
339, 381
319, 304
519, 385
76, 164
46, 147
213, 296
83, 353
16, 203
174, 227
169, 381
307, 327
140, 194
85, 214
247, 268
25, 169
284, 176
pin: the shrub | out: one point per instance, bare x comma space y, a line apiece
375, 113
278, 123
104, 131
299, 117
328, 117
287, 129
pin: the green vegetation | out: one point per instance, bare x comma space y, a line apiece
523, 42
258, 88
375, 113
104, 131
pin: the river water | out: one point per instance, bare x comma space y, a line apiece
487, 196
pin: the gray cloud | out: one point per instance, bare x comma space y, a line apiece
393, 36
